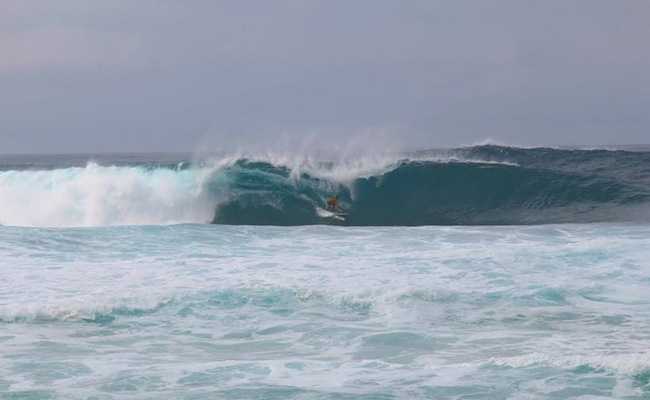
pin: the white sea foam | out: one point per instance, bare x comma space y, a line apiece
76, 309
103, 196
404, 312
627, 364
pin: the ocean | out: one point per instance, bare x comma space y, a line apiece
482, 272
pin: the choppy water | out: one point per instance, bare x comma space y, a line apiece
321, 312
136, 276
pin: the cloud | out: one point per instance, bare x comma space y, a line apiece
259, 73
66, 49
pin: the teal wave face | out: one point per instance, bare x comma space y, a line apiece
258, 193
499, 185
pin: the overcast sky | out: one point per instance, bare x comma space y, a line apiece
162, 75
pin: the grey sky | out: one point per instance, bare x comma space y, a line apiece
104, 76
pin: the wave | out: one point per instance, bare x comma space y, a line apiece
634, 365
479, 185
96, 195
543, 304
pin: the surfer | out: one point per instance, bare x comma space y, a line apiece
333, 203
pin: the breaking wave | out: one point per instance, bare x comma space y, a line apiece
480, 185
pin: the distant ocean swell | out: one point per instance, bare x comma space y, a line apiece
482, 185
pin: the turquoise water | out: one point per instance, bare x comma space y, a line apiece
194, 311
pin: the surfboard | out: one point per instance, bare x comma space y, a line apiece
332, 213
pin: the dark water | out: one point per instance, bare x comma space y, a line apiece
470, 186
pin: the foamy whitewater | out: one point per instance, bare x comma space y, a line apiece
141, 276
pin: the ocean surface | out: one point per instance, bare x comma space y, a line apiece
484, 272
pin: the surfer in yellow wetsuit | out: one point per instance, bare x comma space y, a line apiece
333, 203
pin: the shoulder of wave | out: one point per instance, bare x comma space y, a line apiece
586, 147
497, 143
629, 148
455, 159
